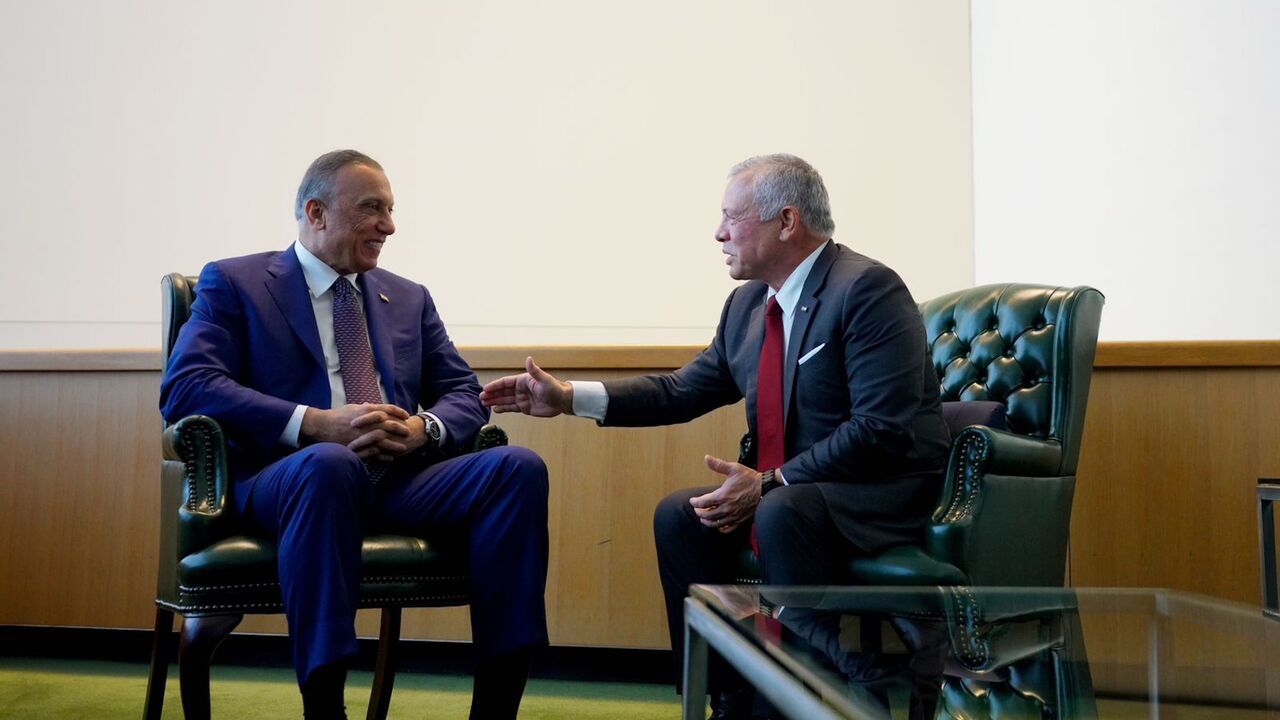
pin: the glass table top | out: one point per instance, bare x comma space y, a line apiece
963, 652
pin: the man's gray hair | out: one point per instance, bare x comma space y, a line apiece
780, 180
317, 183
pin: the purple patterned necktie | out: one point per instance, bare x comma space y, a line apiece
355, 359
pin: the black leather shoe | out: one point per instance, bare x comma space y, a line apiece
499, 685
322, 696
331, 715
733, 704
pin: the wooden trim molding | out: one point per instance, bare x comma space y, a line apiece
1157, 354
1189, 353
480, 357
122, 360
581, 357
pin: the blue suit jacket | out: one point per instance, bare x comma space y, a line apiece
251, 353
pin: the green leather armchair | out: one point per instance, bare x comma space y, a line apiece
1016, 360
213, 570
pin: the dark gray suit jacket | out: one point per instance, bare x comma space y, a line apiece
863, 414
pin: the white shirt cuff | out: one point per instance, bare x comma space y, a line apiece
293, 429
590, 399
777, 474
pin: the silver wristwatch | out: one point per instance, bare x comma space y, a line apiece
432, 428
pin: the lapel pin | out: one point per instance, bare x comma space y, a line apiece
383, 298
804, 308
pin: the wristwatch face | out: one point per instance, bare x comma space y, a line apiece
432, 428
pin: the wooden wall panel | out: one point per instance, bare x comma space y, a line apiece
79, 454
79, 467
1165, 495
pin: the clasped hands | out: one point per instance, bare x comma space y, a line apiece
372, 431
538, 393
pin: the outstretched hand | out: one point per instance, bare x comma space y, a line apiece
533, 392
733, 503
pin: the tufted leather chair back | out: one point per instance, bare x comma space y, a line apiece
177, 292
1030, 347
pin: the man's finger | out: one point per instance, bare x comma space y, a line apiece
375, 414
380, 420
394, 411
370, 418
497, 386
504, 397
709, 500
724, 467
534, 371
369, 439
392, 447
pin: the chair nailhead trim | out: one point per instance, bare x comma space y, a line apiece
965, 488
380, 580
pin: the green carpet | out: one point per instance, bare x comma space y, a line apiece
85, 690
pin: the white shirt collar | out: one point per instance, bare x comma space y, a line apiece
319, 275
789, 293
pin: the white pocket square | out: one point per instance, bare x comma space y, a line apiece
811, 353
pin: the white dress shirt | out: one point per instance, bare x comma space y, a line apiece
320, 278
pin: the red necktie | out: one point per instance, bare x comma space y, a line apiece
770, 448
770, 440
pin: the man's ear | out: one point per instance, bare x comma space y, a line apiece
791, 224
314, 212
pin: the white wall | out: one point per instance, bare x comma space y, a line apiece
1135, 147
558, 165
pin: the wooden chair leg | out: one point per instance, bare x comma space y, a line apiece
200, 637
160, 639
384, 675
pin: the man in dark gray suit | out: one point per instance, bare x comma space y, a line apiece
849, 458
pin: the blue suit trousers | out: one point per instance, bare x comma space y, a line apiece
318, 503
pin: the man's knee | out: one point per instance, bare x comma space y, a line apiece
782, 511
674, 513
522, 468
329, 467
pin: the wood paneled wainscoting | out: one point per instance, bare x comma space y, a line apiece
1177, 435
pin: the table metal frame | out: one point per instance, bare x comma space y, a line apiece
1268, 493
705, 629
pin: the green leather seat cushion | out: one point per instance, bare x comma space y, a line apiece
243, 560
905, 565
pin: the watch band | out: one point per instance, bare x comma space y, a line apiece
768, 480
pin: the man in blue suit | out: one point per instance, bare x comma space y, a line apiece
340, 393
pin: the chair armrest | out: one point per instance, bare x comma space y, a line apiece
490, 436
195, 507
1004, 516
979, 451
198, 443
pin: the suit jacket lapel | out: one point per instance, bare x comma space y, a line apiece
802, 316
288, 287
377, 312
